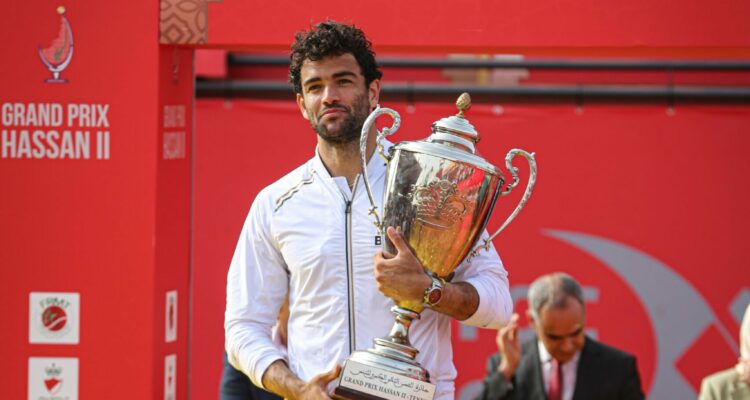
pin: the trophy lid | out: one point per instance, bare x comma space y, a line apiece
456, 130
453, 138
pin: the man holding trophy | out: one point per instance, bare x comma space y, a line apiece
312, 235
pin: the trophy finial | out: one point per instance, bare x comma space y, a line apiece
463, 103
61, 10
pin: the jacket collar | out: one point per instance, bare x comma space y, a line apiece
376, 166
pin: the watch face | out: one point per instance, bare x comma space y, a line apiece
434, 295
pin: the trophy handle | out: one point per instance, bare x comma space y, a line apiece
529, 187
378, 111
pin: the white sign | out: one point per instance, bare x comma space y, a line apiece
383, 384
170, 317
53, 378
170, 375
54, 317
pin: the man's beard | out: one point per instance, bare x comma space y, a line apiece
351, 126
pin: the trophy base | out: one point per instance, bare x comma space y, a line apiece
360, 381
389, 371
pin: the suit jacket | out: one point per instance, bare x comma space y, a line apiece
604, 373
724, 385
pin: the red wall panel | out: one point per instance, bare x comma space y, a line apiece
115, 228
475, 26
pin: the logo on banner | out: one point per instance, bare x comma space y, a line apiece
170, 375
56, 57
53, 317
170, 317
53, 383
53, 378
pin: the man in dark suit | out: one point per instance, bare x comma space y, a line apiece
561, 362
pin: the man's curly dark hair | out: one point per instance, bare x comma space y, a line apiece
328, 39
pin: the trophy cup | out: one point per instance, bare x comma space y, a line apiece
441, 193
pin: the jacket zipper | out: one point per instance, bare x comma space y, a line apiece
350, 267
350, 278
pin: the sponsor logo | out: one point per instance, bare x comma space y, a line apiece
53, 383
170, 376
56, 57
53, 378
53, 317
170, 317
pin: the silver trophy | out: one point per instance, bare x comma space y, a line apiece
441, 193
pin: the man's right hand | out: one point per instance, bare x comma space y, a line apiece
510, 348
316, 388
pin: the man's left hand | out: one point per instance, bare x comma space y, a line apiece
400, 276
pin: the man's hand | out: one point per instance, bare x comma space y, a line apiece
316, 388
279, 379
509, 347
400, 276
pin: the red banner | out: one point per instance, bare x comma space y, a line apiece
95, 127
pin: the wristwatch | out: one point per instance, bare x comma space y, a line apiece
434, 292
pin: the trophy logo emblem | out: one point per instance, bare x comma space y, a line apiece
56, 57
438, 205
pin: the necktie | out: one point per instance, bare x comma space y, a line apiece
555, 381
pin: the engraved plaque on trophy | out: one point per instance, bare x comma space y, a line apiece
441, 193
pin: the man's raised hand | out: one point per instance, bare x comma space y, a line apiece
510, 348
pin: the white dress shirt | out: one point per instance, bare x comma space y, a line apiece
568, 369
294, 239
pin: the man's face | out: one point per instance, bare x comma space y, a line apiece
561, 329
334, 97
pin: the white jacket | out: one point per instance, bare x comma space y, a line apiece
296, 238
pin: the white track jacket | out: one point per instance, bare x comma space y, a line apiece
308, 234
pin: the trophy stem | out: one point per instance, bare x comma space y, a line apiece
397, 344
400, 331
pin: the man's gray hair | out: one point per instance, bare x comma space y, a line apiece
553, 291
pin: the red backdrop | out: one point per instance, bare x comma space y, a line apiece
667, 185
637, 27
661, 190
